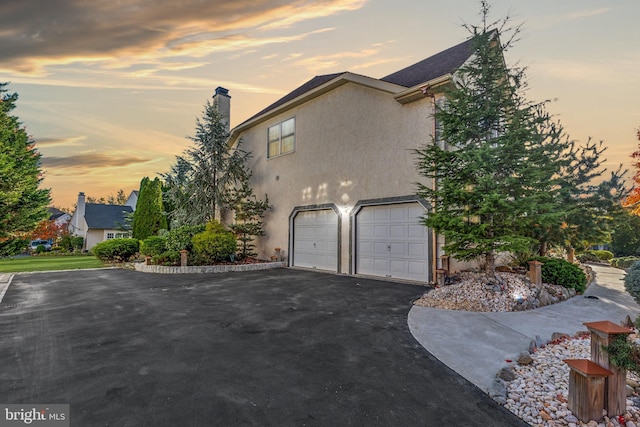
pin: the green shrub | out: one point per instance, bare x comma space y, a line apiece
635, 266
117, 250
181, 238
166, 258
558, 271
632, 283
624, 262
603, 255
153, 245
40, 249
588, 256
214, 244
77, 242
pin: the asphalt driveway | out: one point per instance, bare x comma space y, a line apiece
269, 348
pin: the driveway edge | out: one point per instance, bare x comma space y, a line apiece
5, 281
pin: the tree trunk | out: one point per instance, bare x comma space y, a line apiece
543, 248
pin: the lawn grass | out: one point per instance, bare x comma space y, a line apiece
48, 263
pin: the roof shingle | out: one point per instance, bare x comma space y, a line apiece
105, 216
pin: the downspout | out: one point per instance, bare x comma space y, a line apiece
434, 237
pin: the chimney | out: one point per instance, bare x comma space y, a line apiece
78, 217
222, 103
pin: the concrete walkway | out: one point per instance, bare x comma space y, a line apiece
476, 345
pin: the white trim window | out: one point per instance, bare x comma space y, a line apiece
110, 236
281, 138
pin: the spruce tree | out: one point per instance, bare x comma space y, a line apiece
249, 213
149, 217
507, 175
22, 203
200, 181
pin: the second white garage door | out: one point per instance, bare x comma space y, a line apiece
391, 242
315, 240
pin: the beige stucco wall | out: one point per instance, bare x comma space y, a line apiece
352, 143
96, 236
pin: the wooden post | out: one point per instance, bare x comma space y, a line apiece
602, 334
571, 255
586, 389
445, 264
440, 276
535, 272
147, 260
183, 257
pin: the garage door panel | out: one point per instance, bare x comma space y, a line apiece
399, 242
417, 250
315, 240
398, 231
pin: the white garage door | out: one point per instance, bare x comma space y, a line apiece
391, 242
315, 240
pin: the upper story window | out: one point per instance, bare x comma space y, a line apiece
282, 138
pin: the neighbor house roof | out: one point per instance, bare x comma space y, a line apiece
55, 213
105, 216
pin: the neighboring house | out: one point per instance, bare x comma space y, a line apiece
61, 218
336, 158
132, 200
97, 222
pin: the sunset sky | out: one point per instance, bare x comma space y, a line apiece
110, 89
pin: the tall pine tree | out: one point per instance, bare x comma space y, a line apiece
22, 203
507, 175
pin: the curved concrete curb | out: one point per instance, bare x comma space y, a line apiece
476, 344
5, 281
161, 269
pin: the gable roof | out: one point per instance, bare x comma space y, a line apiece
440, 64
436, 66
105, 216
55, 213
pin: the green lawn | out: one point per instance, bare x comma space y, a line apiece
48, 263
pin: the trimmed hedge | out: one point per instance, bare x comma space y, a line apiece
624, 262
117, 250
558, 271
168, 258
153, 245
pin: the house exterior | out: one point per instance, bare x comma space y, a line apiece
61, 218
336, 158
98, 222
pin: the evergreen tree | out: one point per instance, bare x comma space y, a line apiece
149, 218
22, 203
507, 175
199, 182
249, 212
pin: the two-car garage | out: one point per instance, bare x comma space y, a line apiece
388, 240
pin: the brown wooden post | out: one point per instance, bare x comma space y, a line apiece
535, 272
147, 260
586, 389
445, 264
602, 334
183, 257
571, 255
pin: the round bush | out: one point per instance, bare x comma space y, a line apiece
153, 245
624, 262
167, 258
117, 250
603, 255
558, 271
588, 256
214, 244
